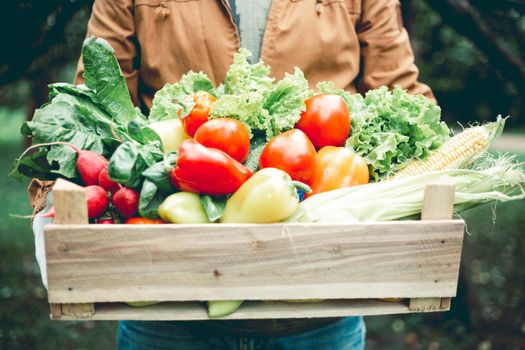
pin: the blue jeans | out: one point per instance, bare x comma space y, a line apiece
345, 334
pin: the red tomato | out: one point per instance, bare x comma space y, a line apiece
326, 120
228, 135
200, 112
293, 153
144, 221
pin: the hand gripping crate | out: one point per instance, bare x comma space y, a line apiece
93, 269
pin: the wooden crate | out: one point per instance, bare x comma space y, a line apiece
93, 269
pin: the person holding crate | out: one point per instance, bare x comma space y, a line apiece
357, 44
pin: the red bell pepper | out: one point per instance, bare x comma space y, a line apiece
207, 170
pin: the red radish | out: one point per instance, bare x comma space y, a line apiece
126, 201
97, 200
106, 183
105, 221
89, 164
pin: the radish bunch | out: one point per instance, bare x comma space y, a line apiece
93, 170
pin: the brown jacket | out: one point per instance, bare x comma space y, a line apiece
357, 44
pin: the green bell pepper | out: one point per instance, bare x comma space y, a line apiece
268, 196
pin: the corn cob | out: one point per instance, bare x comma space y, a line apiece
458, 152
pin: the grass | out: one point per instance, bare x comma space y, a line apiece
487, 314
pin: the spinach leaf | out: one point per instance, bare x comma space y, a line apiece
130, 160
122, 163
214, 206
102, 74
159, 174
138, 130
150, 199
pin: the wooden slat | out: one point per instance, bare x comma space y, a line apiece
105, 263
438, 204
70, 203
70, 208
249, 310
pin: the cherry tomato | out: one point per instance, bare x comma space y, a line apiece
143, 221
292, 152
326, 120
200, 112
228, 135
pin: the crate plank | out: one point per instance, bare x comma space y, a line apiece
172, 311
106, 263
438, 204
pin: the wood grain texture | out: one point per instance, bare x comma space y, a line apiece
69, 201
438, 204
171, 311
107, 263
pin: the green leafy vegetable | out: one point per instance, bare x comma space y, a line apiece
214, 206
103, 76
243, 77
392, 127
149, 200
158, 173
175, 99
251, 97
129, 161
69, 119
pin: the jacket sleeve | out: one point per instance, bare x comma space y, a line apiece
387, 57
113, 20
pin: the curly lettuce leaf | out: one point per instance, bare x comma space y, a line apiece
285, 103
175, 100
392, 127
243, 77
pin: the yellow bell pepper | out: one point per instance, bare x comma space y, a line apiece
171, 134
268, 196
183, 208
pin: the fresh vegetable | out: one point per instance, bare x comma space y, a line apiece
291, 152
103, 76
126, 201
89, 166
130, 160
489, 180
214, 206
106, 183
176, 100
96, 199
338, 167
228, 135
105, 222
268, 196
207, 170
199, 113
326, 120
250, 97
390, 128
460, 150
171, 134
143, 221
183, 208
220, 308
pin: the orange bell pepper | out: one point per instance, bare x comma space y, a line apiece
338, 167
